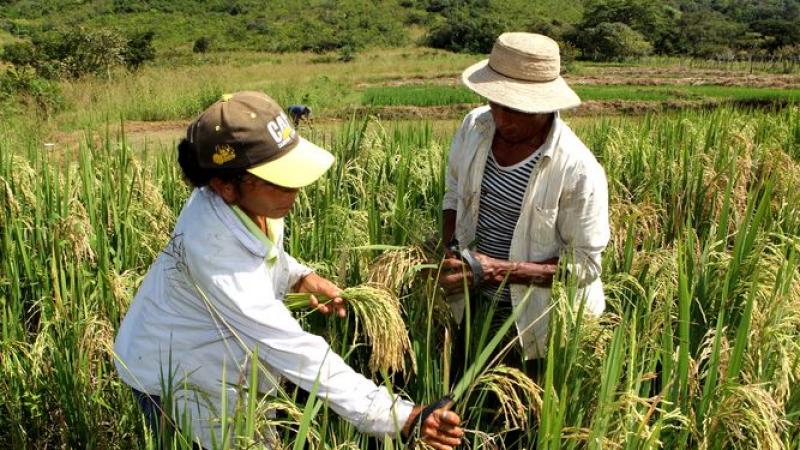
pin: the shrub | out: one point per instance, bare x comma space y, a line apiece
612, 41
201, 45
23, 86
19, 53
472, 30
139, 50
346, 54
74, 53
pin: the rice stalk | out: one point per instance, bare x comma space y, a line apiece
380, 314
746, 417
518, 396
290, 417
394, 269
382, 318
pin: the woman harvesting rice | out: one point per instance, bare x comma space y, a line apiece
213, 300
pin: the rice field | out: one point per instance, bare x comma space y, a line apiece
699, 346
439, 95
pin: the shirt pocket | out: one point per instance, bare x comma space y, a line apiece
543, 227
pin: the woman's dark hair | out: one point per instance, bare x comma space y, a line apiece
198, 176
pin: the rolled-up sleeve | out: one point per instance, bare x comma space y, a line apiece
583, 223
450, 199
296, 270
244, 303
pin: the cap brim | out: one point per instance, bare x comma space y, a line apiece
300, 166
525, 96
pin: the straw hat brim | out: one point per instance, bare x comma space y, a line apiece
524, 96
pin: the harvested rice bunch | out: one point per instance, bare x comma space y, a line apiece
380, 314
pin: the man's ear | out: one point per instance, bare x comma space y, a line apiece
225, 189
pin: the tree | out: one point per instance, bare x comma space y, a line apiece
465, 29
706, 33
612, 41
655, 21
74, 53
139, 50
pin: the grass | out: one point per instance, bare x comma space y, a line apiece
440, 95
684, 92
418, 95
177, 91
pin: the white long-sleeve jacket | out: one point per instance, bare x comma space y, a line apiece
213, 296
565, 209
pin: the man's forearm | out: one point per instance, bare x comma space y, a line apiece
532, 272
518, 272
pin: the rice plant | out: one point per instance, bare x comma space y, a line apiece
698, 348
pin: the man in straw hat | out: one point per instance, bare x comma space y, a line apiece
523, 193
211, 306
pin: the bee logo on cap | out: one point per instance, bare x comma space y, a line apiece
223, 154
280, 130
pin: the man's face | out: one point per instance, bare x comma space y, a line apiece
516, 126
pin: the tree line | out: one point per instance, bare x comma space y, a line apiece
69, 39
621, 29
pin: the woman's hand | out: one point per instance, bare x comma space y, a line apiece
315, 284
439, 430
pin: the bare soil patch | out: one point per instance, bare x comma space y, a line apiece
650, 76
641, 76
136, 133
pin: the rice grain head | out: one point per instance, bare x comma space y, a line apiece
517, 395
746, 417
381, 315
393, 270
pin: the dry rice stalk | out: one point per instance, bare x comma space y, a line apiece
516, 393
775, 324
151, 210
394, 269
76, 229
746, 417
644, 217
583, 435
349, 445
381, 314
270, 406
122, 286
97, 344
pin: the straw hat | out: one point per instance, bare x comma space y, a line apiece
522, 73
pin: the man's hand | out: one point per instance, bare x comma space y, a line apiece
439, 430
315, 284
451, 276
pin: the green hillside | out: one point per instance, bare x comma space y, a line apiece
595, 29
276, 25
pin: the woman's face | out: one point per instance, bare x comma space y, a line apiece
264, 199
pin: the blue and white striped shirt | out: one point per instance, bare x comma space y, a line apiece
502, 191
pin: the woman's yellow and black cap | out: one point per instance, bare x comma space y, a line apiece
249, 130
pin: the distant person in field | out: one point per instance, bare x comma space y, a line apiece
213, 299
523, 194
299, 113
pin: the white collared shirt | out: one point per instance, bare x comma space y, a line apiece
208, 301
565, 209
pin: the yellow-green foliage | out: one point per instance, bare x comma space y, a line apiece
698, 346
